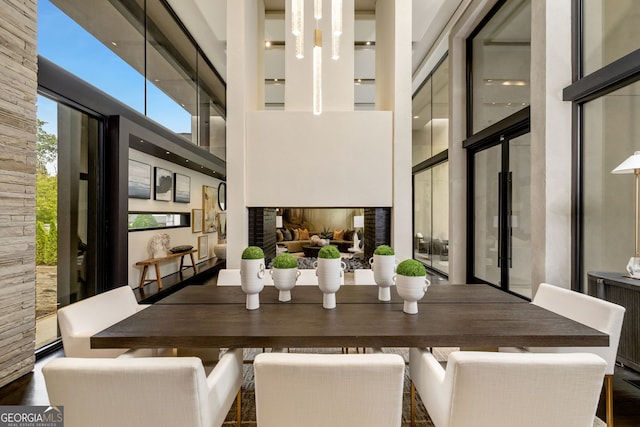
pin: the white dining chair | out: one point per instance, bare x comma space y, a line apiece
231, 277
596, 313
144, 392
319, 390
82, 319
363, 276
491, 389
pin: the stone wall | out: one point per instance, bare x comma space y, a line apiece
18, 88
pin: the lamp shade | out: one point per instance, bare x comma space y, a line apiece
630, 165
358, 221
278, 221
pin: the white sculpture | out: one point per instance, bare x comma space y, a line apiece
160, 244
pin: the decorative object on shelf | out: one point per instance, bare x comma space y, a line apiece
182, 188
139, 180
181, 248
329, 269
383, 264
220, 250
252, 275
196, 220
222, 196
159, 245
203, 247
411, 283
285, 274
210, 208
163, 184
632, 165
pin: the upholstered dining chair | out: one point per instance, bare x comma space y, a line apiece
82, 319
141, 392
596, 313
363, 276
491, 389
319, 390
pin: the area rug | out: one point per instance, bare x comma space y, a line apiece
422, 418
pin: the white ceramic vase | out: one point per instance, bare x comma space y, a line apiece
384, 267
329, 272
411, 289
284, 279
252, 280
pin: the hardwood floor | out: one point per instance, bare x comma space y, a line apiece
30, 390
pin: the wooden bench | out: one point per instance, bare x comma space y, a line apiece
156, 262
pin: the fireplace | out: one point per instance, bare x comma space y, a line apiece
262, 230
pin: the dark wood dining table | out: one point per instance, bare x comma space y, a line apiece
449, 316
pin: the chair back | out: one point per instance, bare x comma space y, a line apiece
82, 319
229, 277
131, 392
598, 314
363, 276
486, 389
319, 390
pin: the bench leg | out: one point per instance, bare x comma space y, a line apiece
193, 263
143, 276
158, 277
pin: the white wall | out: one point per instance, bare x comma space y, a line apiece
336, 159
139, 240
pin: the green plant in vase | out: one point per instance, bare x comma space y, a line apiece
285, 274
383, 264
411, 284
330, 270
252, 275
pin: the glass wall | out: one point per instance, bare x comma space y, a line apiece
610, 135
138, 53
610, 31
430, 141
501, 64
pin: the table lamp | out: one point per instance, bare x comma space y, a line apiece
358, 222
632, 165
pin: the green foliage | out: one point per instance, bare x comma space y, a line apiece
285, 260
326, 233
50, 256
329, 252
41, 241
46, 148
143, 221
384, 250
252, 252
46, 198
411, 267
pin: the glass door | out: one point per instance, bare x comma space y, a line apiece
501, 204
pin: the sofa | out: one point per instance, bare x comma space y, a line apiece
295, 243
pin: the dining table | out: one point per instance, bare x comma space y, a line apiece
466, 315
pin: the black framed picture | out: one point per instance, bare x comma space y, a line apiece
139, 180
181, 188
164, 184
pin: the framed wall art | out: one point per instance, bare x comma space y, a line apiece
203, 246
196, 220
210, 209
163, 184
139, 180
181, 188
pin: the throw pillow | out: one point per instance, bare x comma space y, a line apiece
348, 235
286, 234
279, 236
338, 234
304, 233
295, 234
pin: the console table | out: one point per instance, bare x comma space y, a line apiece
624, 291
156, 262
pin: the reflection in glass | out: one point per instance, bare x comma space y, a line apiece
519, 221
501, 65
611, 31
610, 135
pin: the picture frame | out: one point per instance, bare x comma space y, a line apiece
196, 220
163, 184
139, 180
210, 209
181, 188
203, 246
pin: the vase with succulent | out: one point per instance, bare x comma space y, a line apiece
252, 275
411, 283
383, 264
285, 274
330, 270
